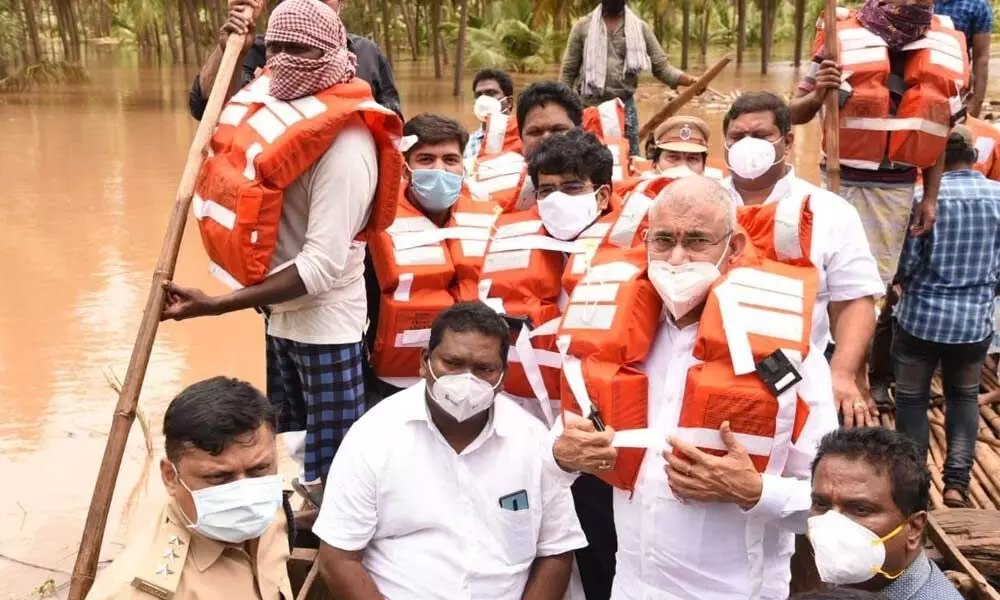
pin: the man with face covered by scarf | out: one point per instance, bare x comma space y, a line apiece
314, 288
882, 195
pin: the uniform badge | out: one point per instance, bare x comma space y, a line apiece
685, 133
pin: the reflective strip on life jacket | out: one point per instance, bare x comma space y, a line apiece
209, 209
493, 137
787, 243
910, 124
612, 119
757, 302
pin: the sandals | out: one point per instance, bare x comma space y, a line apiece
961, 502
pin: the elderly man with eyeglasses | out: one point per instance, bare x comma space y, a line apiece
726, 450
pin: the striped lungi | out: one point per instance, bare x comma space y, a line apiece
318, 388
885, 215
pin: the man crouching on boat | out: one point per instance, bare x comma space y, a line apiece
222, 533
301, 168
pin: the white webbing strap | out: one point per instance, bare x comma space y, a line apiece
736, 332
484, 296
537, 242
573, 371
526, 355
415, 239
496, 130
787, 215
784, 424
413, 338
896, 124
610, 125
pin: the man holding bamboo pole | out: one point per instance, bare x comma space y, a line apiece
900, 74
302, 167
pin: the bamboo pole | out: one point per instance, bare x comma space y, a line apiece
683, 98
831, 121
128, 400
949, 550
982, 437
977, 494
991, 416
310, 580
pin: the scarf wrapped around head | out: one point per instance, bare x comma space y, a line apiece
314, 24
897, 24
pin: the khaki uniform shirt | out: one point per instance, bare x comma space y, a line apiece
170, 562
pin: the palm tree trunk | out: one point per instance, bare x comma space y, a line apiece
686, 33
192, 15
185, 35
463, 24
31, 24
168, 25
411, 28
741, 30
435, 33
765, 35
800, 25
387, 29
707, 17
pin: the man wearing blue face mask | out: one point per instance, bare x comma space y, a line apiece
428, 258
223, 532
447, 489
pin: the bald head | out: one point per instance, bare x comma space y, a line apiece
693, 220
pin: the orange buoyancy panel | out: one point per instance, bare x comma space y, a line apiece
986, 138
607, 329
260, 147
781, 230
414, 270
468, 252
500, 136
755, 310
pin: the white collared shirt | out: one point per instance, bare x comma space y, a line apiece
847, 271
840, 250
668, 550
430, 520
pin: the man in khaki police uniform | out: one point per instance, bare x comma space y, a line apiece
222, 534
681, 143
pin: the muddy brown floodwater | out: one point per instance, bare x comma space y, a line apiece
88, 177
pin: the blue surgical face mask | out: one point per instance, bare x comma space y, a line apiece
237, 511
435, 189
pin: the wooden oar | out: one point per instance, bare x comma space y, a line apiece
675, 105
831, 104
124, 415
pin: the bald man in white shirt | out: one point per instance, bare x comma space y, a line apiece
694, 526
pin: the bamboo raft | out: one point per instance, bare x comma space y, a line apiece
966, 542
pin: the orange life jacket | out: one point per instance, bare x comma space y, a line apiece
502, 175
633, 220
527, 273
936, 72
501, 135
419, 267
781, 230
987, 142
260, 147
606, 331
753, 311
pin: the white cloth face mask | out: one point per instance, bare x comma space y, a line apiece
847, 552
564, 216
237, 511
751, 157
684, 287
462, 395
486, 106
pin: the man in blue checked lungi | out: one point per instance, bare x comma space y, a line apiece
314, 289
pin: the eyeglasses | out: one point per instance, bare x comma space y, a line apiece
662, 241
571, 188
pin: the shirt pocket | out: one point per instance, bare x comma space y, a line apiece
516, 534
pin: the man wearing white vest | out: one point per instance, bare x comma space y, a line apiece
693, 524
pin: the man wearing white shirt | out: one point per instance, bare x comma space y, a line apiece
447, 489
848, 274
693, 526
757, 124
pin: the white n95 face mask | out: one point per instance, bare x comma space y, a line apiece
564, 216
237, 511
486, 106
847, 552
683, 287
462, 395
751, 157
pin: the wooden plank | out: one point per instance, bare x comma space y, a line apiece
950, 551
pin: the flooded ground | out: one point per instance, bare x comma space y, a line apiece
88, 180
